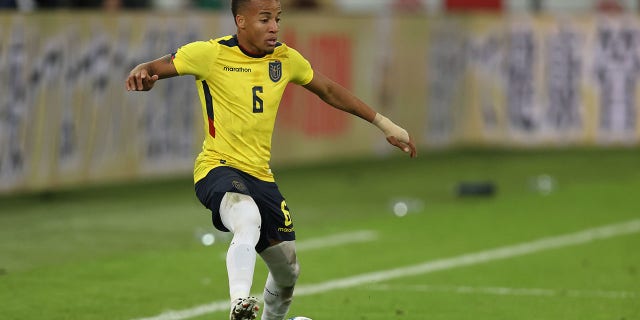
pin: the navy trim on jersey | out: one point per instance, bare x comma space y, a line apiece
209, 102
233, 42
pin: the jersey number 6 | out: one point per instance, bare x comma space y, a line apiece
287, 215
257, 101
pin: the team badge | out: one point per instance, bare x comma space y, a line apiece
275, 70
239, 186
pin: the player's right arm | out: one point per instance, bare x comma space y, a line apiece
145, 75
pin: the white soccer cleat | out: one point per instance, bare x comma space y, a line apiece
299, 318
244, 309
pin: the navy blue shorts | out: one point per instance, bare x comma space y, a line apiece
276, 219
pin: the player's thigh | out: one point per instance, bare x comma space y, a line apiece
211, 189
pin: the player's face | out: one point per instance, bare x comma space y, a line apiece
259, 26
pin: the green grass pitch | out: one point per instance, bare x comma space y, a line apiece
134, 251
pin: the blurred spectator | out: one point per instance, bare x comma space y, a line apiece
85, 4
611, 6
408, 5
88, 4
305, 4
112, 5
211, 4
130, 4
49, 4
8, 4
22, 5
362, 5
170, 5
474, 5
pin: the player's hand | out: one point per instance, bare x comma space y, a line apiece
395, 134
406, 146
140, 80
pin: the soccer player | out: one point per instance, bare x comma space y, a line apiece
240, 81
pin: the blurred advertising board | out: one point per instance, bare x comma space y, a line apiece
451, 80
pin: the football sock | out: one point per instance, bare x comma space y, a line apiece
241, 216
283, 273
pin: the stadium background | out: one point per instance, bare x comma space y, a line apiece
537, 99
481, 79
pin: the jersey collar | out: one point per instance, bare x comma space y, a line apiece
245, 51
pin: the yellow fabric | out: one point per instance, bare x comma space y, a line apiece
244, 98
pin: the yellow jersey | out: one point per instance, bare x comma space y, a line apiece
240, 95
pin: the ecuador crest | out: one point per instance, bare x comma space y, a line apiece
275, 70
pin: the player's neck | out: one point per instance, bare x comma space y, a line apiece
245, 50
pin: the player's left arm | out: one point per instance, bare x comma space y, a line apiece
340, 98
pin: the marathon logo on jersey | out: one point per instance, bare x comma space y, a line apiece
275, 70
236, 69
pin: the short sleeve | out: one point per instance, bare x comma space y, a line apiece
194, 59
301, 71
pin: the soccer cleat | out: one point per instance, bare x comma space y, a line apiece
244, 309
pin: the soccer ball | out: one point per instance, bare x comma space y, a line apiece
299, 318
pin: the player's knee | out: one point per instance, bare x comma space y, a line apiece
287, 276
294, 271
283, 263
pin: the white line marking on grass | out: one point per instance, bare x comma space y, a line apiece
521, 249
333, 240
502, 291
336, 240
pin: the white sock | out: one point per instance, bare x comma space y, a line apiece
283, 274
277, 300
241, 216
241, 260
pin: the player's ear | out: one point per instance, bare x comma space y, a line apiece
240, 21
